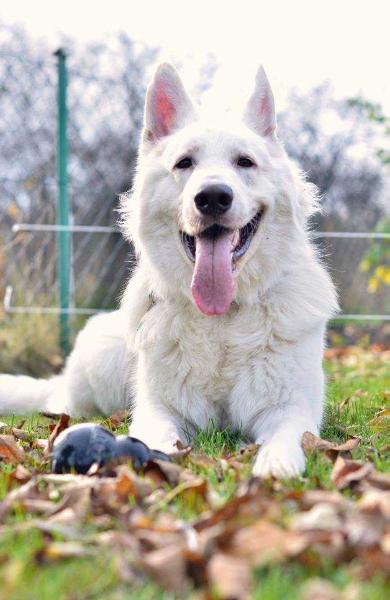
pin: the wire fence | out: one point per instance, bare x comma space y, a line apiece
102, 128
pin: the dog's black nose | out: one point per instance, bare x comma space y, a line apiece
214, 200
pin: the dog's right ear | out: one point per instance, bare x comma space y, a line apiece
168, 106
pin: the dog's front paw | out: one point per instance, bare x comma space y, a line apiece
161, 438
276, 459
166, 445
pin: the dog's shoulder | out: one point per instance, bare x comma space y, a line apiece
302, 300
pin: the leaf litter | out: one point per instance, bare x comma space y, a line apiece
136, 515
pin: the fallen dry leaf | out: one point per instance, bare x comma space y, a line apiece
55, 551
161, 472
118, 418
187, 490
348, 472
320, 589
167, 566
375, 501
322, 516
229, 577
28, 490
312, 497
355, 396
180, 453
21, 474
40, 444
10, 451
379, 480
351, 473
312, 443
61, 425
261, 543
134, 516
381, 421
129, 484
20, 434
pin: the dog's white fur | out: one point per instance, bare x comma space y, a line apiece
257, 368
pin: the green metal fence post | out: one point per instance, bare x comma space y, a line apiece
63, 237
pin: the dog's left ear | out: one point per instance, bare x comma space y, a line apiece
168, 106
260, 111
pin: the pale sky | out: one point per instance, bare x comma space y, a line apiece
300, 42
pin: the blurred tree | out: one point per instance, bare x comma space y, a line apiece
105, 100
336, 145
376, 260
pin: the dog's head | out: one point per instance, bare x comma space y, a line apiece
214, 206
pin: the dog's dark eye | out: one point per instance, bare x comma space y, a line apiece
244, 161
184, 163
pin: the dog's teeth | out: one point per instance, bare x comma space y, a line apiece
236, 239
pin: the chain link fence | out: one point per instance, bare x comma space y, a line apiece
105, 104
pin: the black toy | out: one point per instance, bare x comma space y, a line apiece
85, 444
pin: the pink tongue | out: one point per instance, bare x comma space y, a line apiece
212, 281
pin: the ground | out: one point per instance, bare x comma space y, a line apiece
203, 528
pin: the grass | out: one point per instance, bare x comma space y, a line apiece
24, 575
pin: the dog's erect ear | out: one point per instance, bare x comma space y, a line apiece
260, 111
168, 106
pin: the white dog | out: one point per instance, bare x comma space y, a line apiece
224, 317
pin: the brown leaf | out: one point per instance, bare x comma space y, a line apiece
322, 516
180, 453
19, 434
49, 415
243, 508
375, 501
41, 444
312, 497
357, 394
161, 471
60, 426
21, 474
155, 539
118, 418
167, 566
312, 443
261, 544
229, 577
10, 452
37, 505
381, 421
28, 490
373, 561
244, 454
364, 529
129, 484
55, 551
379, 480
320, 589
189, 490
65, 521
348, 472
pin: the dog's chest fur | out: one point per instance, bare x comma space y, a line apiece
209, 368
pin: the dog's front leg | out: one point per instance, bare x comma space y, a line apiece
279, 431
154, 426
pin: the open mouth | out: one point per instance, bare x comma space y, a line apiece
215, 253
240, 241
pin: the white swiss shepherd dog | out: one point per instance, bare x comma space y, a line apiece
225, 315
